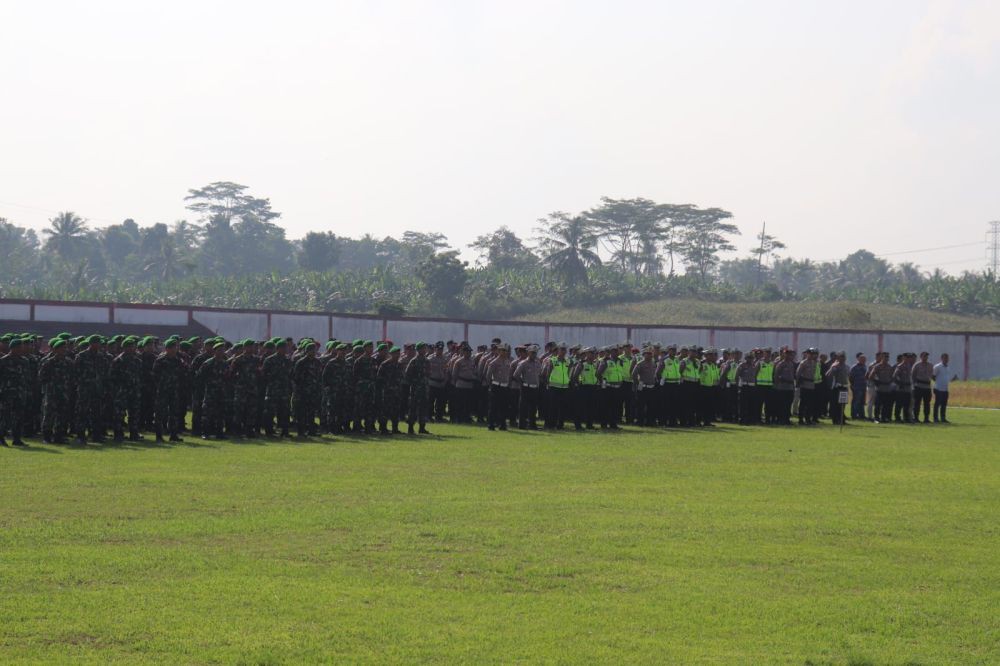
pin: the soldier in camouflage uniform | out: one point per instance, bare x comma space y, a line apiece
388, 381
337, 390
416, 376
55, 376
306, 390
213, 376
89, 369
198, 389
364, 389
33, 413
147, 347
126, 380
277, 375
15, 383
168, 370
243, 369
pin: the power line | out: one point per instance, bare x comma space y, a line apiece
53, 212
929, 249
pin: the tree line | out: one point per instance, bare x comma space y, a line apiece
234, 253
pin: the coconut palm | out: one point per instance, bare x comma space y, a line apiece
67, 234
568, 244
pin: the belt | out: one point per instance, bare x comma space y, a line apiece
648, 385
612, 384
503, 384
529, 385
557, 386
436, 383
664, 382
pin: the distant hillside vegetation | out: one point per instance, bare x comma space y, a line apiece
802, 314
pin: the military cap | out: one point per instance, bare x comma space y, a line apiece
184, 344
171, 342
495, 341
94, 339
330, 344
421, 345
520, 347
219, 345
310, 344
64, 336
342, 345
15, 342
52, 342
408, 345
281, 342
128, 342
394, 349
561, 345
358, 348
368, 343
58, 343
357, 343
439, 344
672, 346
6, 337
269, 344
381, 346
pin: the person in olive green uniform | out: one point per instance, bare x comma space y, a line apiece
55, 375
90, 380
306, 390
416, 376
125, 377
277, 373
15, 382
168, 369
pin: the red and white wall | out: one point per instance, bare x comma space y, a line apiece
974, 356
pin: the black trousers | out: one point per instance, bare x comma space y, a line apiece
883, 406
499, 400
584, 403
748, 402
461, 405
527, 407
781, 405
646, 405
436, 408
670, 404
807, 405
901, 407
940, 405
611, 406
730, 408
859, 397
557, 407
628, 401
836, 410
921, 398
690, 394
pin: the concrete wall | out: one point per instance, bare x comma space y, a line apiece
15, 311
349, 328
481, 334
156, 317
667, 336
589, 336
233, 325
298, 326
400, 331
82, 314
984, 357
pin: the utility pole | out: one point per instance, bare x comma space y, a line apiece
993, 248
760, 255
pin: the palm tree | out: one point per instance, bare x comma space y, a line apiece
166, 263
66, 235
186, 235
568, 244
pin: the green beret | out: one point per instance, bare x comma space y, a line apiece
421, 345
185, 345
171, 342
358, 343
330, 345
309, 344
381, 346
394, 350
268, 345
53, 341
343, 345
358, 348
219, 345
194, 338
128, 342
15, 342
58, 343
64, 336
6, 337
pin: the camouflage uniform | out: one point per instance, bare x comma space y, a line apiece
337, 398
416, 377
364, 393
306, 393
55, 375
89, 368
15, 384
277, 375
243, 369
148, 389
388, 383
197, 392
212, 374
126, 382
168, 372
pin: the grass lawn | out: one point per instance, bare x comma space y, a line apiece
975, 394
877, 545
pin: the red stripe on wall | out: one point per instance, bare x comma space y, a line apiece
965, 364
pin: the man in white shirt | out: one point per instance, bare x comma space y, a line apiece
942, 377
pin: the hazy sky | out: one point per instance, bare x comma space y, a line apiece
842, 124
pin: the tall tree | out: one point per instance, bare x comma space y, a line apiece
417, 246
705, 235
443, 276
165, 262
568, 245
764, 251
503, 250
67, 236
629, 229
319, 251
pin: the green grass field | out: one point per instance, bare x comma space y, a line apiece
805, 314
877, 545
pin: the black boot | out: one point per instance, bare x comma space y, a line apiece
424, 431
134, 436
409, 429
119, 436
175, 438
